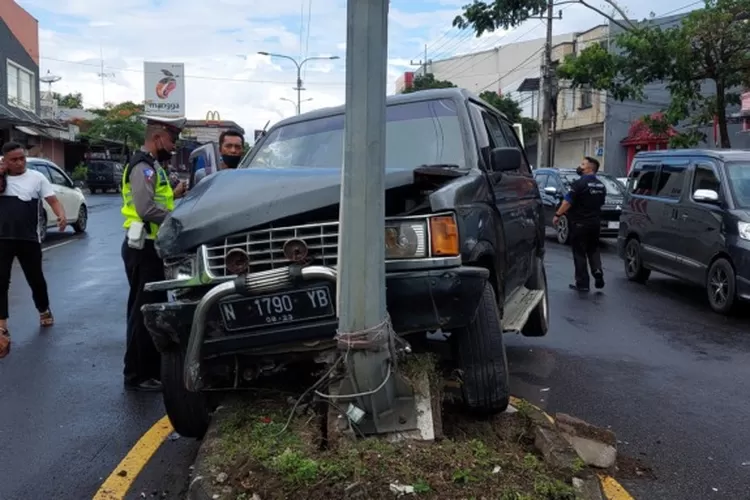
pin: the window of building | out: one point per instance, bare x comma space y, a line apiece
586, 101
570, 101
21, 89
671, 180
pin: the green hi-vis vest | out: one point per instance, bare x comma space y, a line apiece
163, 194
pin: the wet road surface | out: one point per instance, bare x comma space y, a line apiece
652, 362
657, 366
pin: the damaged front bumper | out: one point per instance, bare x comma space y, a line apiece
417, 301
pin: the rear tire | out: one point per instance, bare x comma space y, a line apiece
538, 322
188, 411
721, 287
481, 359
563, 230
634, 269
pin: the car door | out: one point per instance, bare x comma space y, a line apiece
553, 201
541, 182
65, 191
671, 185
700, 236
642, 210
508, 222
42, 169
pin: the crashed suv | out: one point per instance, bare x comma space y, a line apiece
251, 254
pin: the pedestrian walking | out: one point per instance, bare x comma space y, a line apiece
23, 191
583, 205
147, 199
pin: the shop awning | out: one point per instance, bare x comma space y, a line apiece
27, 130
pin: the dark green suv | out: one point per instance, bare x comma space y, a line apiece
104, 175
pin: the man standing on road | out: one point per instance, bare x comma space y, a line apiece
583, 204
20, 219
148, 198
231, 147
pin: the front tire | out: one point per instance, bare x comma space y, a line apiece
563, 230
538, 322
634, 269
188, 411
481, 358
721, 287
82, 221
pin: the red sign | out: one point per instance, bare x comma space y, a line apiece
746, 103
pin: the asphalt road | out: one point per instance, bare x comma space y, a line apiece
652, 362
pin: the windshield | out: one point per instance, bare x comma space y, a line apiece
610, 183
417, 133
738, 174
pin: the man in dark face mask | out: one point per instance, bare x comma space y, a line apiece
231, 148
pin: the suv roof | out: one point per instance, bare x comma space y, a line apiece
719, 154
422, 95
564, 171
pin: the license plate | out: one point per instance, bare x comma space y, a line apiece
277, 309
613, 225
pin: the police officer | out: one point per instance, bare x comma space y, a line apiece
583, 205
148, 198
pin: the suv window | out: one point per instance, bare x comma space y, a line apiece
705, 178
495, 130
512, 139
671, 180
642, 179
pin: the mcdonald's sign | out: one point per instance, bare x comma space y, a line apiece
213, 116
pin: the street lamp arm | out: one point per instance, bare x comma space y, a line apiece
282, 56
318, 58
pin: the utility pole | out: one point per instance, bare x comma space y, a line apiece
299, 64
102, 74
423, 63
546, 137
365, 335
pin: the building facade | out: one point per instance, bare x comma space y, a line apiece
20, 105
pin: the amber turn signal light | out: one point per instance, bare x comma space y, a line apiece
444, 236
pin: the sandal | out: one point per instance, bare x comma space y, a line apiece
46, 319
4, 342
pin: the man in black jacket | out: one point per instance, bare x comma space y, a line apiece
583, 205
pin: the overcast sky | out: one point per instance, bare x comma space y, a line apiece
218, 41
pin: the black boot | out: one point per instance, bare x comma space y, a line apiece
598, 279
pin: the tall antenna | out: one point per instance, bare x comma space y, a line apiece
102, 74
49, 79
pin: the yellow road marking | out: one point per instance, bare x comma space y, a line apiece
610, 487
122, 478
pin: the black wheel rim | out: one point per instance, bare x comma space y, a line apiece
632, 259
82, 218
718, 286
562, 229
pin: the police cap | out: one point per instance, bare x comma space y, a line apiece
174, 125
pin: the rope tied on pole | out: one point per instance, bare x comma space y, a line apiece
376, 338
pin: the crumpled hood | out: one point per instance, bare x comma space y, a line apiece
232, 201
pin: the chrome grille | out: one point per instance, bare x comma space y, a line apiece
265, 247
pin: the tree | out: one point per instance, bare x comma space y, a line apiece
512, 110
427, 81
486, 17
72, 100
118, 122
710, 45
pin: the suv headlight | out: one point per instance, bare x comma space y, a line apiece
743, 228
180, 268
417, 238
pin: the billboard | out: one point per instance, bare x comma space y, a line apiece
164, 89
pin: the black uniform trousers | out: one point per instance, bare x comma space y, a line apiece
584, 240
29, 255
142, 360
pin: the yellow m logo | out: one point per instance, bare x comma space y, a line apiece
213, 116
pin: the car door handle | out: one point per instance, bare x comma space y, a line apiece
684, 216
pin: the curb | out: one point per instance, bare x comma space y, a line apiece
611, 488
200, 480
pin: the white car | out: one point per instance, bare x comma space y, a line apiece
71, 197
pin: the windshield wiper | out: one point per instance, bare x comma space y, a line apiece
439, 170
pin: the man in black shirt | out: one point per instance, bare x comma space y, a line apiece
21, 205
583, 205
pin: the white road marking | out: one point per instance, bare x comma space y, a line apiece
56, 245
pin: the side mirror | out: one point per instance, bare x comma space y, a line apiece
550, 190
706, 196
504, 159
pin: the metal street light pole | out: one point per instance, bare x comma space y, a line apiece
294, 103
299, 66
